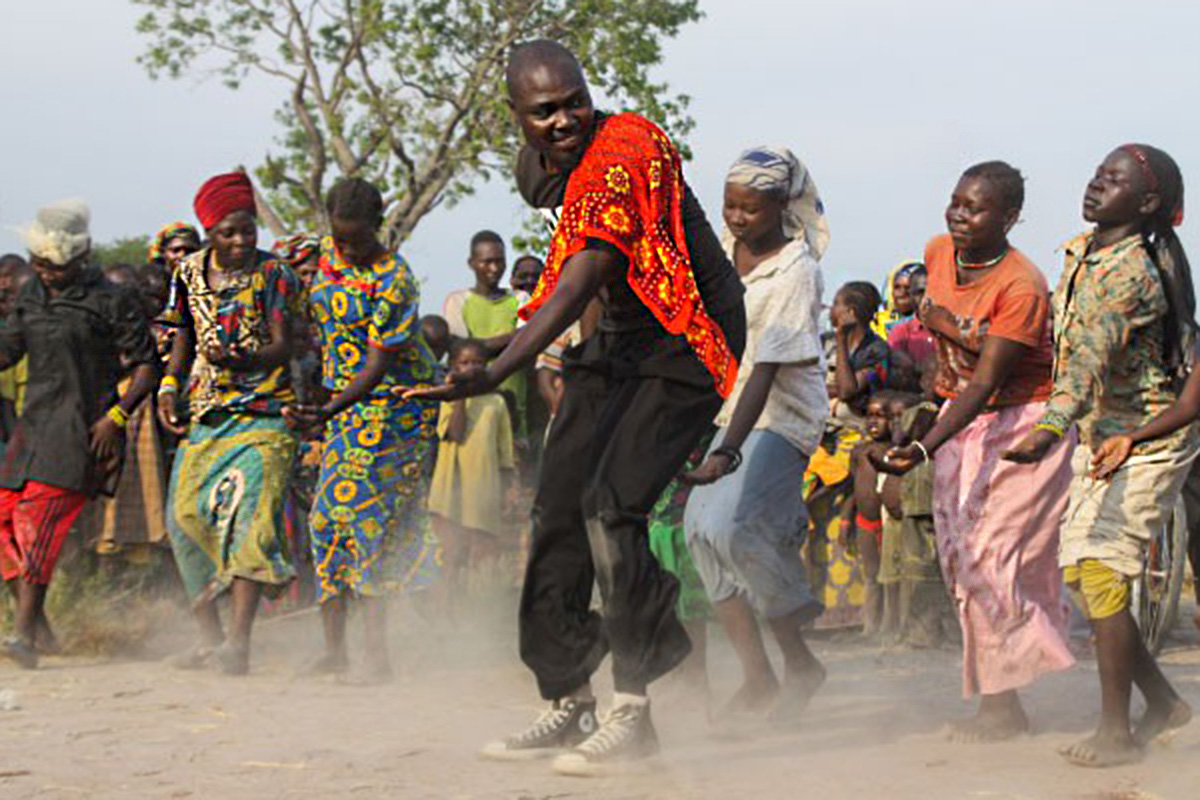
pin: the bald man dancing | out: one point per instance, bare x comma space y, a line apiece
638, 395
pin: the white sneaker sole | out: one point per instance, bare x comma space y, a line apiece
500, 751
576, 766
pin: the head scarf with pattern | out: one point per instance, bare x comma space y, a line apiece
173, 230
776, 170
297, 248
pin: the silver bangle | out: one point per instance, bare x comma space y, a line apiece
924, 452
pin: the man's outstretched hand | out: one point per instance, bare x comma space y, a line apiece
459, 385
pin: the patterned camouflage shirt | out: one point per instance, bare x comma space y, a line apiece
1109, 367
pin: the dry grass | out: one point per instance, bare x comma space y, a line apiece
106, 606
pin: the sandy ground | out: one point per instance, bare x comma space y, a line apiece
104, 729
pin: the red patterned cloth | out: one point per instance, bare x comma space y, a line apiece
34, 523
628, 191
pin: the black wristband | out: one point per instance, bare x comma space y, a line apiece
733, 454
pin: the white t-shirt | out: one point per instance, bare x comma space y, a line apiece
783, 326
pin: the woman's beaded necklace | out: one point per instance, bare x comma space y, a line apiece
989, 263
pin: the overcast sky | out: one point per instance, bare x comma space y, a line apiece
886, 101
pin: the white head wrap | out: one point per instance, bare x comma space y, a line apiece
778, 171
60, 232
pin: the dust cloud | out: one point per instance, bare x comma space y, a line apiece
102, 728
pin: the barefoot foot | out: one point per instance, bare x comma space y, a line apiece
989, 726
327, 664
796, 693
232, 660
377, 672
195, 657
752, 698
20, 652
1100, 751
44, 640
1161, 720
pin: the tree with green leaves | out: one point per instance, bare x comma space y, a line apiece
408, 94
129, 250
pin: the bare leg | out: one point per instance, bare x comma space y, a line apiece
1165, 709
205, 612
1000, 717
45, 642
234, 655
30, 599
333, 624
20, 648
890, 629
803, 673
379, 665
1124, 660
455, 556
868, 549
1113, 742
759, 684
694, 669
1194, 558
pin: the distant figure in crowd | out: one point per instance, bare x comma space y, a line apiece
488, 312
910, 336
174, 242
239, 311
370, 493
15, 272
301, 252
997, 539
76, 327
637, 397
862, 517
898, 302
862, 359
436, 331
1124, 325
527, 271
474, 476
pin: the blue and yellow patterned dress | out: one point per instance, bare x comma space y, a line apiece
369, 509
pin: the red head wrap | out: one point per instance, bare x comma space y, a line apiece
221, 196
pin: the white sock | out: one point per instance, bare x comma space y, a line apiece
621, 699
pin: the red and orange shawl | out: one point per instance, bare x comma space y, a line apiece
628, 190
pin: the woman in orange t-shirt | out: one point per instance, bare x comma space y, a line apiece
997, 522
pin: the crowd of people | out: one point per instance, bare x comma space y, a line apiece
684, 420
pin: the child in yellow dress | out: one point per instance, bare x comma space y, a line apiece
474, 473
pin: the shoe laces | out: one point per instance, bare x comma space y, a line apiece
614, 728
546, 723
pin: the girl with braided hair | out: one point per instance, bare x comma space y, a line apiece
1124, 325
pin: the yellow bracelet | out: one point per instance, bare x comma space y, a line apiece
118, 416
168, 384
1050, 428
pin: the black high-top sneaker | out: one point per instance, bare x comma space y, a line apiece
562, 726
626, 737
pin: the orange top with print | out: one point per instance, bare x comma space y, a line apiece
628, 191
1011, 302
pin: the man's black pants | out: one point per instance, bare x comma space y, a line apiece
634, 405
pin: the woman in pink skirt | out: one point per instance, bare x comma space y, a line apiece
997, 521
